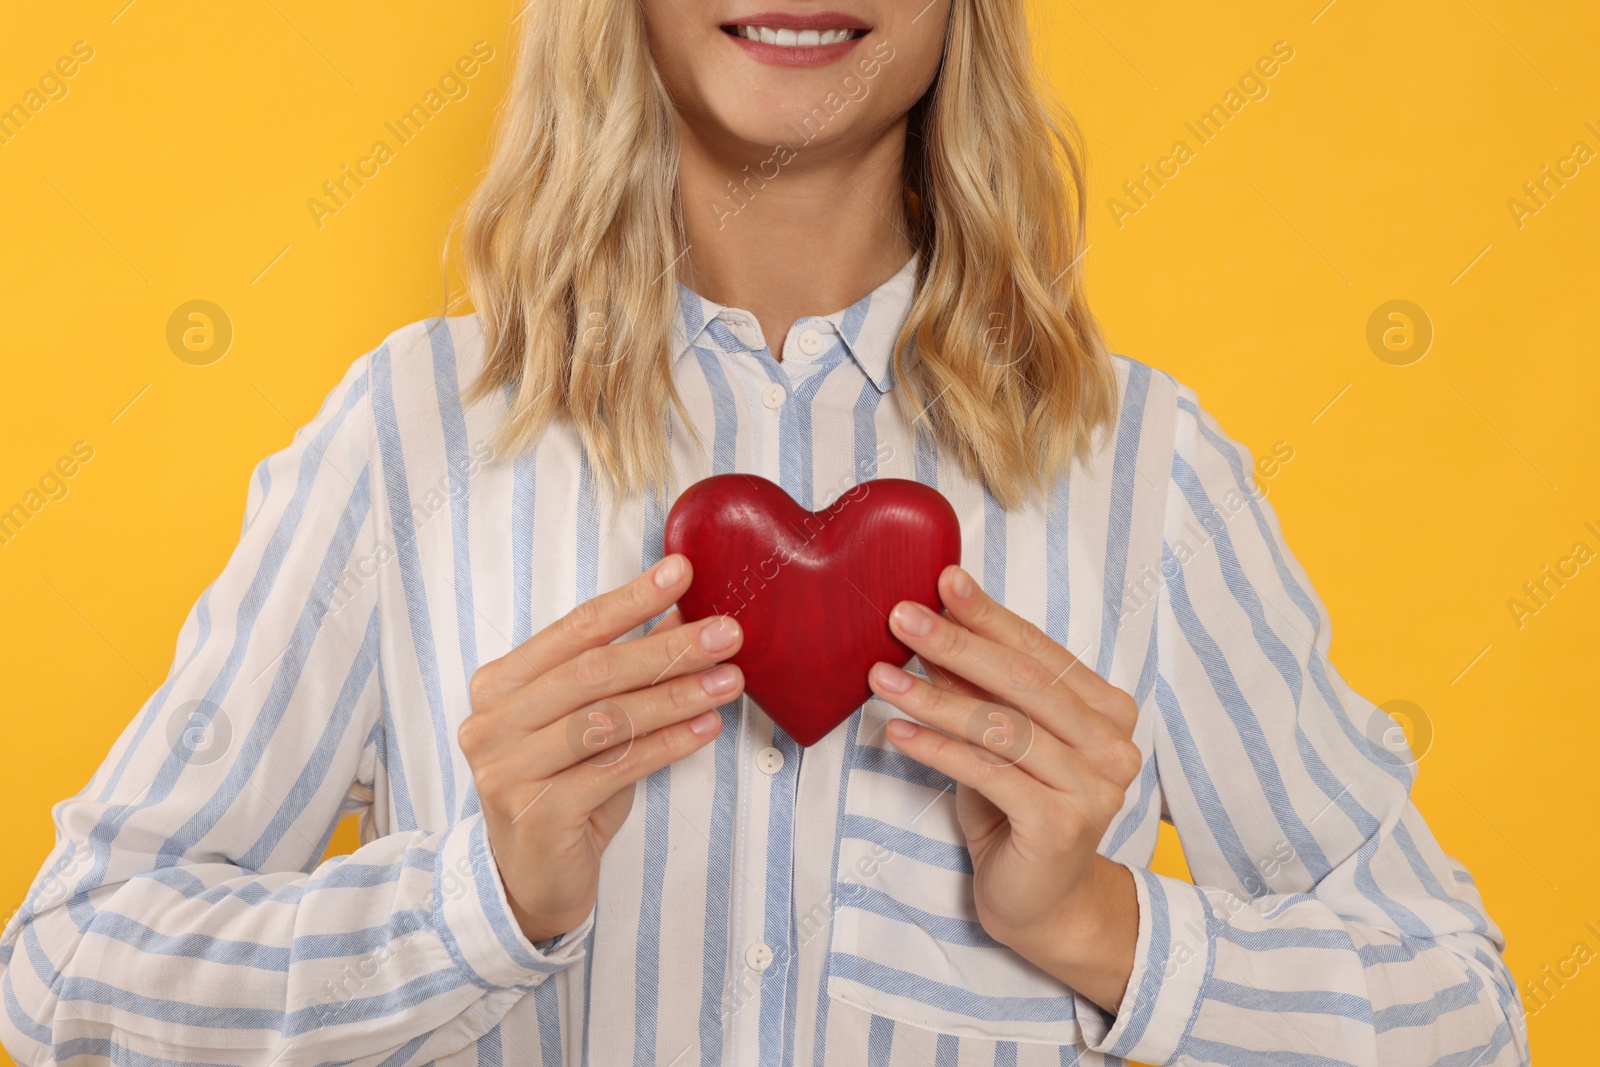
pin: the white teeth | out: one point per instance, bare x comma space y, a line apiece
793, 38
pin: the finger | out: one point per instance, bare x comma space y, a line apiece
583, 787
1026, 801
1000, 734
1013, 676
1038, 777
609, 671
621, 667
602, 732
945, 678
674, 617
1015, 792
979, 612
597, 621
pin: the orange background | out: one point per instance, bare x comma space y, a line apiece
1382, 163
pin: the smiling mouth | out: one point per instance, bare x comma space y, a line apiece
793, 38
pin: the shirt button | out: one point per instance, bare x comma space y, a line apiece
758, 956
770, 760
811, 342
774, 395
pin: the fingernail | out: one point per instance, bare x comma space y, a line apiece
892, 678
961, 584
705, 722
899, 728
669, 571
719, 679
719, 635
913, 618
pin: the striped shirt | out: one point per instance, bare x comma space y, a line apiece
764, 904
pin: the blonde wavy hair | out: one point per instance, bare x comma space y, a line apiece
577, 224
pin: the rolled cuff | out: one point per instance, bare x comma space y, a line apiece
474, 919
1172, 962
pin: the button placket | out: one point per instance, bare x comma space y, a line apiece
765, 929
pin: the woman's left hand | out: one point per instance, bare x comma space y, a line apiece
1041, 750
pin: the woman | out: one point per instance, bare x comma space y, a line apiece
820, 246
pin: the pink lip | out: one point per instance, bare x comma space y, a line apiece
821, 20
799, 55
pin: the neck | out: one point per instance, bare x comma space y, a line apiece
806, 230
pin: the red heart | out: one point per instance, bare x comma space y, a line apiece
812, 589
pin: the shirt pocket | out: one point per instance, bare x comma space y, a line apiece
906, 942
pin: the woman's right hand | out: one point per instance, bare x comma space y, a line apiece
563, 725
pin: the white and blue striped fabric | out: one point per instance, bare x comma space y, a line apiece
187, 915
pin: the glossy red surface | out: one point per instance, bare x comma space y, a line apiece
812, 590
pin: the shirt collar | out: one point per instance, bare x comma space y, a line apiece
867, 329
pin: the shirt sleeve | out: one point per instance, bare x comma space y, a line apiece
1325, 924
186, 912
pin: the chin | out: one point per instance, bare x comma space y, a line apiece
797, 120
